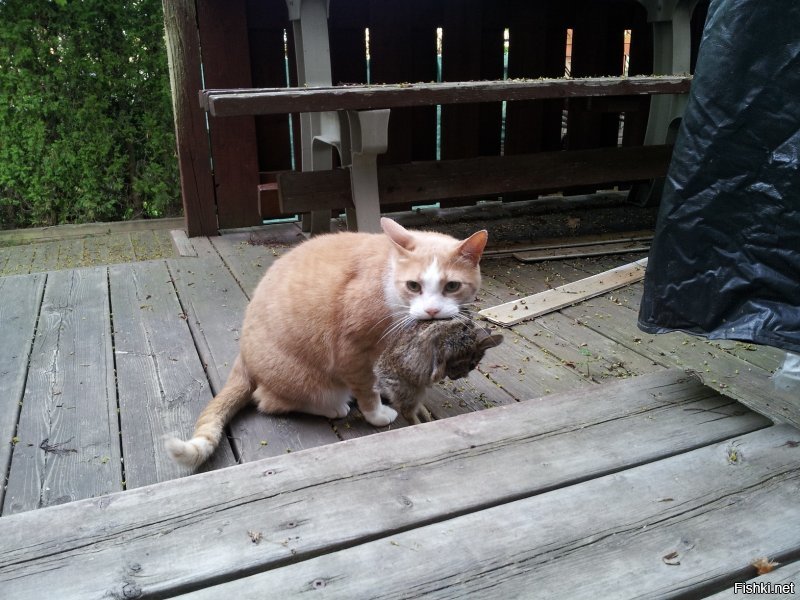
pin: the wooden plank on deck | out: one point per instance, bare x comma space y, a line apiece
146, 246
249, 253
19, 259
68, 431
718, 369
31, 235
182, 243
681, 526
566, 295
593, 355
160, 380
45, 257
187, 533
233, 102
784, 575
112, 249
70, 254
584, 250
19, 311
214, 305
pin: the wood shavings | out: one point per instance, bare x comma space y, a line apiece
255, 536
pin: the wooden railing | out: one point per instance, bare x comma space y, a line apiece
267, 101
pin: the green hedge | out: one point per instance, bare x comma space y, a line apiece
86, 130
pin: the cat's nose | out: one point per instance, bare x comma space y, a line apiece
432, 311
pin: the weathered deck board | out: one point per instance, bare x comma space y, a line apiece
751, 383
45, 257
764, 357
31, 235
718, 369
70, 384
476, 392
181, 243
214, 305
249, 252
146, 246
524, 371
554, 299
785, 574
19, 311
592, 355
684, 505
19, 259
585, 249
186, 533
70, 254
110, 250
161, 384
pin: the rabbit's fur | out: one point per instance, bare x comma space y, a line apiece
425, 354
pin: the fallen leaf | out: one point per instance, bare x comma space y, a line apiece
763, 565
671, 559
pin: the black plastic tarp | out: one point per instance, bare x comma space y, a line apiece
725, 261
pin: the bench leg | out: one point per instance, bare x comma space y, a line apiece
671, 55
310, 27
369, 136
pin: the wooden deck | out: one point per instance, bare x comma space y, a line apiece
602, 469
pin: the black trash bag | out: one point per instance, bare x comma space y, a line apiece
725, 261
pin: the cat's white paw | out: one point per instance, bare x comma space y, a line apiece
381, 416
341, 411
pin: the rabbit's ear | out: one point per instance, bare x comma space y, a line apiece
487, 340
491, 341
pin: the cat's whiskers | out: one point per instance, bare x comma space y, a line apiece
399, 325
394, 316
464, 316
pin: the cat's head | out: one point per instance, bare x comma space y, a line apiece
467, 358
432, 274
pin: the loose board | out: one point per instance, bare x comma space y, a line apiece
542, 303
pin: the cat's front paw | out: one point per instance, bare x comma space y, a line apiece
339, 411
381, 416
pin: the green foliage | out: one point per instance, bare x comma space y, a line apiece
86, 130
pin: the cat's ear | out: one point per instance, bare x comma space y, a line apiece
397, 233
472, 247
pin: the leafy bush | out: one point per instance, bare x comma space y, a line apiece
86, 130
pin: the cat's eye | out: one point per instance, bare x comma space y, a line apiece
413, 286
452, 286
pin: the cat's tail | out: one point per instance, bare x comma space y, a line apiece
211, 422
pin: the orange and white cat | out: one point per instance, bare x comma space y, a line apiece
321, 316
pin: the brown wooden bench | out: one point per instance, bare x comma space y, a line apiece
431, 181
481, 177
